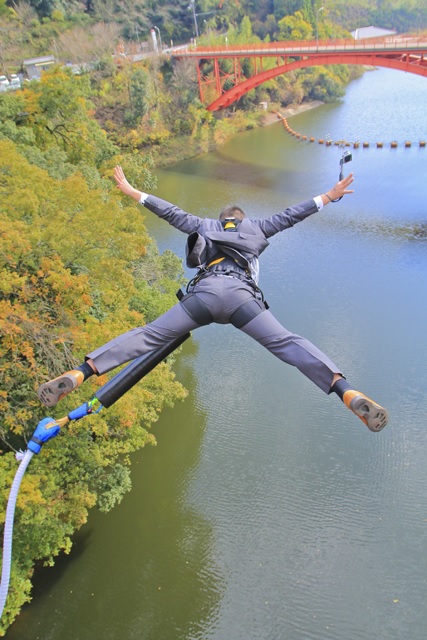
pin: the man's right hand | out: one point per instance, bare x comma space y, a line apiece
124, 185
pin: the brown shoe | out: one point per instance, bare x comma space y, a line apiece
372, 414
51, 392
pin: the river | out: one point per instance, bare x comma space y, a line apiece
268, 511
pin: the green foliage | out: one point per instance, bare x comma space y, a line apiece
322, 84
138, 103
70, 256
402, 15
43, 7
246, 30
60, 26
295, 27
112, 486
58, 110
158, 278
4, 10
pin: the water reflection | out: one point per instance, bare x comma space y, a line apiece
391, 230
147, 569
223, 167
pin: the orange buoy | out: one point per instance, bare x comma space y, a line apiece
393, 145
379, 145
422, 143
365, 145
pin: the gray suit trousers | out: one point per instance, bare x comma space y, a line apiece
222, 295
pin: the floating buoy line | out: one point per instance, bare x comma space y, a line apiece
344, 143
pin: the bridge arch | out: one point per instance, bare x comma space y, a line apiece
399, 63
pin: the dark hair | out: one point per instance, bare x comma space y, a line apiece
232, 211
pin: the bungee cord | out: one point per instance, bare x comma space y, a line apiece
49, 428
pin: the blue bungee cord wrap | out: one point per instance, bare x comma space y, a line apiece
49, 428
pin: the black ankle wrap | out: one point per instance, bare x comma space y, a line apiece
86, 369
340, 387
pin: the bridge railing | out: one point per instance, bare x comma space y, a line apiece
405, 42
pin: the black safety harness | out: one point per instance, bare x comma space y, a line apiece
223, 266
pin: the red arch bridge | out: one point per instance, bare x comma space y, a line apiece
226, 73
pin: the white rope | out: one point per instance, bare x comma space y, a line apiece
8, 525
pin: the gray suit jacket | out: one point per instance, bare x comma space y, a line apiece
207, 237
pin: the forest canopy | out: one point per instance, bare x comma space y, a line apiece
77, 265
64, 230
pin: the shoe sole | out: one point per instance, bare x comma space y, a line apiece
373, 415
50, 393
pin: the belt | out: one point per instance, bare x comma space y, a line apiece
215, 268
228, 267
228, 271
206, 272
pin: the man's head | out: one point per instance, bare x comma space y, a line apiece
231, 211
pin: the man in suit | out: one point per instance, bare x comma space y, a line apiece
225, 290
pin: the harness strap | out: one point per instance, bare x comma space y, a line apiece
229, 267
247, 312
201, 314
195, 308
214, 262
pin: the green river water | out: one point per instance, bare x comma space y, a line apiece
267, 511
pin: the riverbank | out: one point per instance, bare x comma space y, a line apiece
182, 148
270, 117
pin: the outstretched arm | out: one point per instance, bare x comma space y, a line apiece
175, 216
339, 190
124, 185
292, 215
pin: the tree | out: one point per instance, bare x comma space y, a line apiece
284, 8
246, 29
138, 103
294, 27
323, 83
58, 110
87, 45
44, 8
